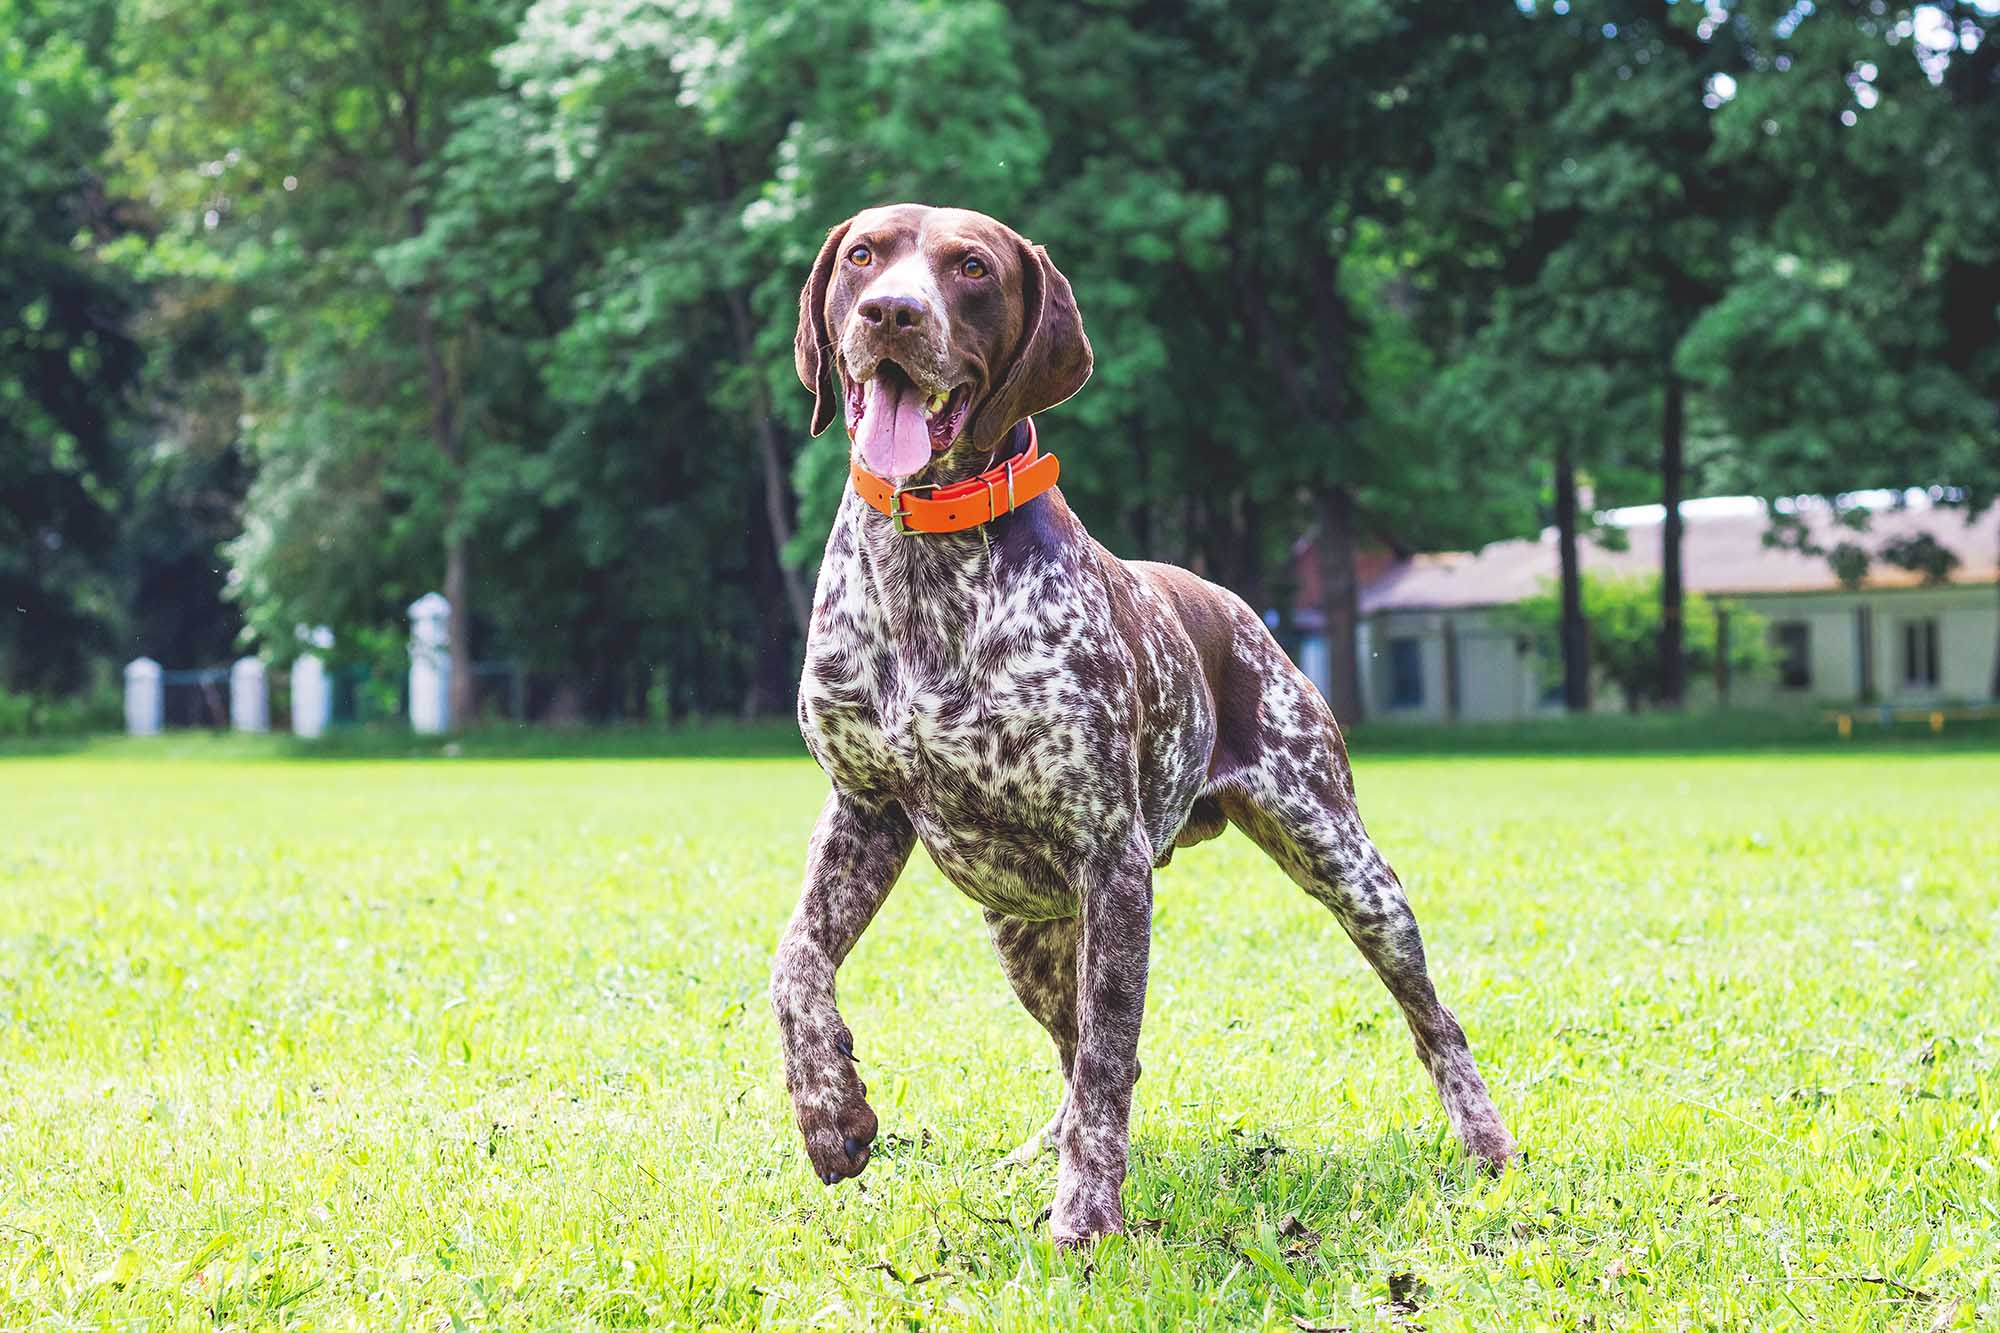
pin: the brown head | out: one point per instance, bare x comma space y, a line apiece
937, 329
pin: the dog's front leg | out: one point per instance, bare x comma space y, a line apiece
857, 852
1117, 902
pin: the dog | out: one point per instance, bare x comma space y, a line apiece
1051, 721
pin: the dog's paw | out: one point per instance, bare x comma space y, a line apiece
1084, 1214
1488, 1141
835, 1121
1083, 1233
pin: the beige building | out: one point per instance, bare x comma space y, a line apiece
1437, 643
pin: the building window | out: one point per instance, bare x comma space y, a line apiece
1406, 673
1793, 641
1920, 654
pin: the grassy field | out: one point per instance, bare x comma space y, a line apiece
483, 1043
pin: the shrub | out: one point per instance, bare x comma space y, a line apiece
1624, 619
71, 715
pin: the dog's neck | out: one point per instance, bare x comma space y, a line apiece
961, 464
927, 583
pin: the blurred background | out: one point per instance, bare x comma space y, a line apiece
1516, 359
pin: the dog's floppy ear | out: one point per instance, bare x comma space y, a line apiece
811, 345
1053, 358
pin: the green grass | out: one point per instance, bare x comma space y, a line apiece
483, 1042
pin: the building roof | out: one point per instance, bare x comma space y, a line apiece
1723, 552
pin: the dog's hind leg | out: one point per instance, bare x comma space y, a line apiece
1039, 958
1291, 792
1326, 850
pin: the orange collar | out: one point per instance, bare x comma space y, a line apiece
964, 504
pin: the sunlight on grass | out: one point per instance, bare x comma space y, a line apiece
484, 1042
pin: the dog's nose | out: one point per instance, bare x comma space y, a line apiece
894, 312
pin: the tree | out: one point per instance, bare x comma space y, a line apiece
654, 183
67, 360
504, 289
1237, 207
1648, 216
1861, 345
294, 142
1625, 616
1503, 391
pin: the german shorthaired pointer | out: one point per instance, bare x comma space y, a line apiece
1050, 720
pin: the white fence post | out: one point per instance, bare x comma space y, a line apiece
312, 693
249, 696
145, 697
430, 665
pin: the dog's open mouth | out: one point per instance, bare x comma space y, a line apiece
897, 426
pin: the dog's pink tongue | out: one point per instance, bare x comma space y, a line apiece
894, 438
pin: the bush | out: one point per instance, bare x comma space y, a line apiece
1624, 618
17, 712
73, 715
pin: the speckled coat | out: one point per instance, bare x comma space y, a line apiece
1052, 722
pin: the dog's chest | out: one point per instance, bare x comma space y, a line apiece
989, 708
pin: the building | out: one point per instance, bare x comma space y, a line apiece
1437, 644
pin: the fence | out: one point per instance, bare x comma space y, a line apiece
241, 694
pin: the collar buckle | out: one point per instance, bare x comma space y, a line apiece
899, 513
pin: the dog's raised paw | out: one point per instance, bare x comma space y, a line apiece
837, 1124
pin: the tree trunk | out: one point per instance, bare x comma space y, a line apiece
1996, 664
1340, 600
777, 488
464, 698
1142, 512
772, 684
457, 575
1249, 583
414, 149
778, 507
1673, 674
1722, 654
1573, 635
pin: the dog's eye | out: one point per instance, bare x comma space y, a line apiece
975, 267
859, 256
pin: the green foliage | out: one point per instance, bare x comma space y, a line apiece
1624, 618
513, 281
1860, 345
32, 715
331, 1043
1617, 231
281, 147
66, 361
655, 182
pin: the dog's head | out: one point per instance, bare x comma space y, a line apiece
941, 328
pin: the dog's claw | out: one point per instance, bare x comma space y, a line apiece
831, 1177
1023, 1154
1036, 1143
